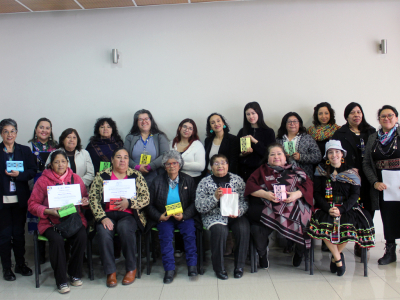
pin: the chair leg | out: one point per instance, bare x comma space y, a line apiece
252, 255
200, 258
307, 260
36, 258
147, 238
364, 256
139, 264
312, 257
90, 259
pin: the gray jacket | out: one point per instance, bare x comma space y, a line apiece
370, 170
160, 142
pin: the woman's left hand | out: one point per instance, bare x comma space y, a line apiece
293, 196
122, 205
334, 212
296, 156
178, 217
85, 201
234, 217
252, 139
13, 173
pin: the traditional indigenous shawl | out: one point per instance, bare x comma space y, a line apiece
289, 219
386, 138
321, 133
349, 176
105, 147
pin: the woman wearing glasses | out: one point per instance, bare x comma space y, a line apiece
301, 147
146, 140
208, 196
382, 155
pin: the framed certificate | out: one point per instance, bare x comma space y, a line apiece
119, 188
62, 195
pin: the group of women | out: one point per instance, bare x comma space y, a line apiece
323, 183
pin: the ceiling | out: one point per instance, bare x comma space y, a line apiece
19, 6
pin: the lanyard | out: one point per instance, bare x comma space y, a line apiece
145, 143
37, 153
10, 156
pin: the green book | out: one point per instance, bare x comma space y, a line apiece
104, 165
290, 147
67, 210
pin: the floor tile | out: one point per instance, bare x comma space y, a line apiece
79, 293
123, 292
265, 290
307, 290
198, 292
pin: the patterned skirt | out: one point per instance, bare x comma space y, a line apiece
354, 226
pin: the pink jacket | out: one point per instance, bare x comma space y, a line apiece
38, 201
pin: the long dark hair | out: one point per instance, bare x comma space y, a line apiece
364, 126
51, 141
135, 127
282, 130
64, 135
332, 120
259, 112
193, 137
100, 121
208, 126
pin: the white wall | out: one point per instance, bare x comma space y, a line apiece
190, 60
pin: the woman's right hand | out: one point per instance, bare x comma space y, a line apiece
52, 212
271, 197
164, 217
380, 186
107, 224
143, 169
218, 193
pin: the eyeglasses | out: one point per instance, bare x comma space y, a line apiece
173, 164
389, 116
145, 119
292, 122
222, 163
12, 132
184, 127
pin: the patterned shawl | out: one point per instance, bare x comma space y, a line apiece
321, 133
348, 176
104, 148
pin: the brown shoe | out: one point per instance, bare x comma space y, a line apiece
129, 277
112, 279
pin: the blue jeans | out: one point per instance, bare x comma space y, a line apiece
166, 236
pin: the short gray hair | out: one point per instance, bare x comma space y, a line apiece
173, 154
7, 122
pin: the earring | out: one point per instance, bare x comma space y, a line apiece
211, 131
342, 160
224, 126
50, 138
35, 137
328, 162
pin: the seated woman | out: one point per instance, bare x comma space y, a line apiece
171, 188
58, 173
125, 220
208, 194
339, 218
288, 212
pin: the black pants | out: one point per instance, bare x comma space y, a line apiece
219, 233
12, 234
260, 233
57, 254
125, 225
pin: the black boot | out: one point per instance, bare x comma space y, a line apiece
390, 254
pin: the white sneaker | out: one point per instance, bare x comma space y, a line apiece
75, 281
63, 288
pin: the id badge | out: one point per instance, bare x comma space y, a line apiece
13, 188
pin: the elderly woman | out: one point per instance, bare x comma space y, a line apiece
339, 218
58, 173
280, 198
125, 220
208, 197
220, 141
261, 136
382, 155
104, 141
174, 187
14, 191
307, 152
78, 159
146, 139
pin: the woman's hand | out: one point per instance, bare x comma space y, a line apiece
122, 205
271, 197
249, 150
218, 193
296, 156
52, 212
164, 217
334, 212
107, 223
293, 196
252, 139
380, 186
85, 201
13, 173
178, 217
143, 169
234, 217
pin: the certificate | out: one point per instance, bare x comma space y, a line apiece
61, 195
119, 188
392, 181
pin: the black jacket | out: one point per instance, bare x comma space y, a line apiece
158, 199
230, 147
21, 153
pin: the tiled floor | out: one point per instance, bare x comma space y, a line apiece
282, 281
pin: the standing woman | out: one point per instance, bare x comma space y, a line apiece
146, 138
220, 141
188, 144
261, 136
307, 152
14, 191
324, 125
103, 142
382, 153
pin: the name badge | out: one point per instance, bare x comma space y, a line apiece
13, 188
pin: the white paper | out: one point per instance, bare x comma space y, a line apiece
229, 204
392, 181
119, 188
61, 195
